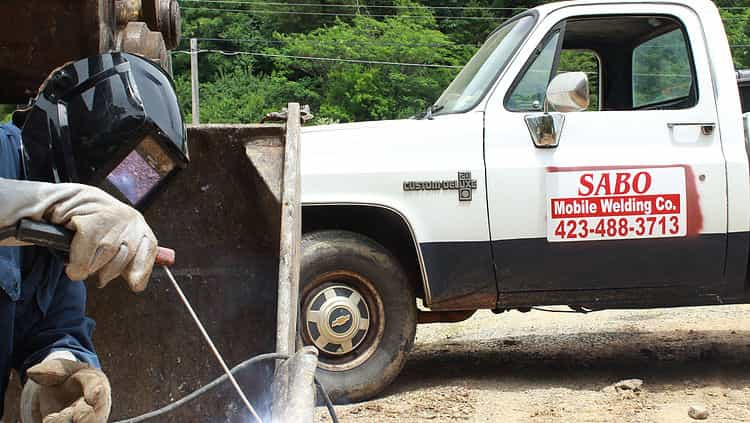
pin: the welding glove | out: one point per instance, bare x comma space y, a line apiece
111, 238
64, 391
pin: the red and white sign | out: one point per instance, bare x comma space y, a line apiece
598, 205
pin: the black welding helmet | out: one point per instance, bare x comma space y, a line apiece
111, 121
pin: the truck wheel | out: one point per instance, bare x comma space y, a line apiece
358, 309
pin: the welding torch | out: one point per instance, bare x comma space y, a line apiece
60, 238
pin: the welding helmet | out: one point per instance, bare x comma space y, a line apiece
111, 121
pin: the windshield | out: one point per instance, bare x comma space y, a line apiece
477, 76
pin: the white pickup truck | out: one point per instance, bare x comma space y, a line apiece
592, 154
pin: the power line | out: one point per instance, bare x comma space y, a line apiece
314, 5
284, 12
263, 3
324, 59
336, 42
368, 43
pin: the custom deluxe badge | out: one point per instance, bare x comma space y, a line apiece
464, 184
598, 205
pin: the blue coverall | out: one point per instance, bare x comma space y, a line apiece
41, 310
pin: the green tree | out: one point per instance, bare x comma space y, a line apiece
363, 91
242, 87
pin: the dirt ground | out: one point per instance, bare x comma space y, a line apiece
552, 367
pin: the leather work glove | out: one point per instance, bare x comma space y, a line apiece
64, 391
111, 238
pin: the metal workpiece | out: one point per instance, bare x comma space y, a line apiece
127, 11
38, 36
291, 232
164, 16
226, 237
138, 39
212, 345
294, 388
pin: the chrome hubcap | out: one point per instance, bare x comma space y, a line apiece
337, 320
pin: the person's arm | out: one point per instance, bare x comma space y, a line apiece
111, 238
55, 350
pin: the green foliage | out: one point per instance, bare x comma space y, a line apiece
661, 69
354, 91
583, 61
737, 25
242, 88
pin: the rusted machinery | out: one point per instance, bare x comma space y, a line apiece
234, 217
37, 36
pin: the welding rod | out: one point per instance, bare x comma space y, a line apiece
210, 343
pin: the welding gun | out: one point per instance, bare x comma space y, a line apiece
59, 238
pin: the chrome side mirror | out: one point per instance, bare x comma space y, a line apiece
569, 92
545, 128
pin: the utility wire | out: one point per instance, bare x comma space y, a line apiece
333, 43
351, 15
324, 59
263, 3
284, 12
337, 43
479, 8
267, 3
216, 382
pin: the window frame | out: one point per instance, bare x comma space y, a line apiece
491, 85
694, 89
557, 28
638, 41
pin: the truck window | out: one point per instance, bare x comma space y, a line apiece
633, 62
477, 77
529, 92
583, 61
661, 70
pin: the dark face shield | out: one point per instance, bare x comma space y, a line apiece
140, 173
111, 121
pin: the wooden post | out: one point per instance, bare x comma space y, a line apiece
291, 232
195, 81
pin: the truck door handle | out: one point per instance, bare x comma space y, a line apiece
707, 128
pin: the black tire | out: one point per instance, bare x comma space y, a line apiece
335, 267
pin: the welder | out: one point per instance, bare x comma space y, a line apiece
100, 137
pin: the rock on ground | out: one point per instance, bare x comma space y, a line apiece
698, 412
542, 367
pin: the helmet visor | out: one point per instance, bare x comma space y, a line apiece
140, 173
111, 121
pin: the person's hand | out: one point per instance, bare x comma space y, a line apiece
64, 391
111, 238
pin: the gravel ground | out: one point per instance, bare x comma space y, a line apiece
553, 367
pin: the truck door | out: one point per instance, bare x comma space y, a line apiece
634, 193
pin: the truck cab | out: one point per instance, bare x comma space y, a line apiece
591, 154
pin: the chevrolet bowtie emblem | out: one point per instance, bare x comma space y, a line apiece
464, 185
341, 321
